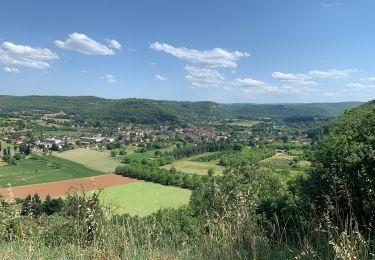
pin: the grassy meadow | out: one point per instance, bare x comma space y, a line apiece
144, 198
136, 156
59, 132
285, 164
51, 169
246, 123
99, 161
193, 167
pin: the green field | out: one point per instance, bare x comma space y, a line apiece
59, 132
30, 171
247, 123
281, 163
192, 167
99, 161
134, 156
140, 156
144, 198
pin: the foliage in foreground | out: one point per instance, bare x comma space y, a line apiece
343, 168
246, 213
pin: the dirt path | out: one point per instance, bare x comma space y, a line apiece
61, 188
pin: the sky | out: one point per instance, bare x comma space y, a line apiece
251, 51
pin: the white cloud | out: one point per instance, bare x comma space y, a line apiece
360, 86
212, 58
249, 85
113, 44
132, 50
203, 77
331, 74
159, 77
11, 70
109, 78
329, 4
23, 55
153, 63
83, 44
368, 79
288, 76
294, 80
249, 82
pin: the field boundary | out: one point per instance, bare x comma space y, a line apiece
61, 188
43, 183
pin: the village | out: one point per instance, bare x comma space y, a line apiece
138, 136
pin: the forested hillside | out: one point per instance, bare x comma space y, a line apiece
147, 111
285, 111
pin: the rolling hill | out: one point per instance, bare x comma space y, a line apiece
146, 111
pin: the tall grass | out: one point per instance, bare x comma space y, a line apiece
87, 231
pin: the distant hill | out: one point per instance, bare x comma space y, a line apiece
70, 105
160, 111
355, 121
283, 111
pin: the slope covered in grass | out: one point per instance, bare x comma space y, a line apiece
99, 161
50, 169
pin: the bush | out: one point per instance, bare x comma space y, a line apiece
57, 165
211, 172
113, 153
122, 152
17, 156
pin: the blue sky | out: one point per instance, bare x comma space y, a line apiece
225, 51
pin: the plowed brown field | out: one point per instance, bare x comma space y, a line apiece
61, 188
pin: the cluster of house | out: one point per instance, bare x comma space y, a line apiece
96, 139
196, 134
49, 142
139, 137
84, 140
149, 135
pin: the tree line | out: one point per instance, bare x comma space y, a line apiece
192, 150
163, 176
